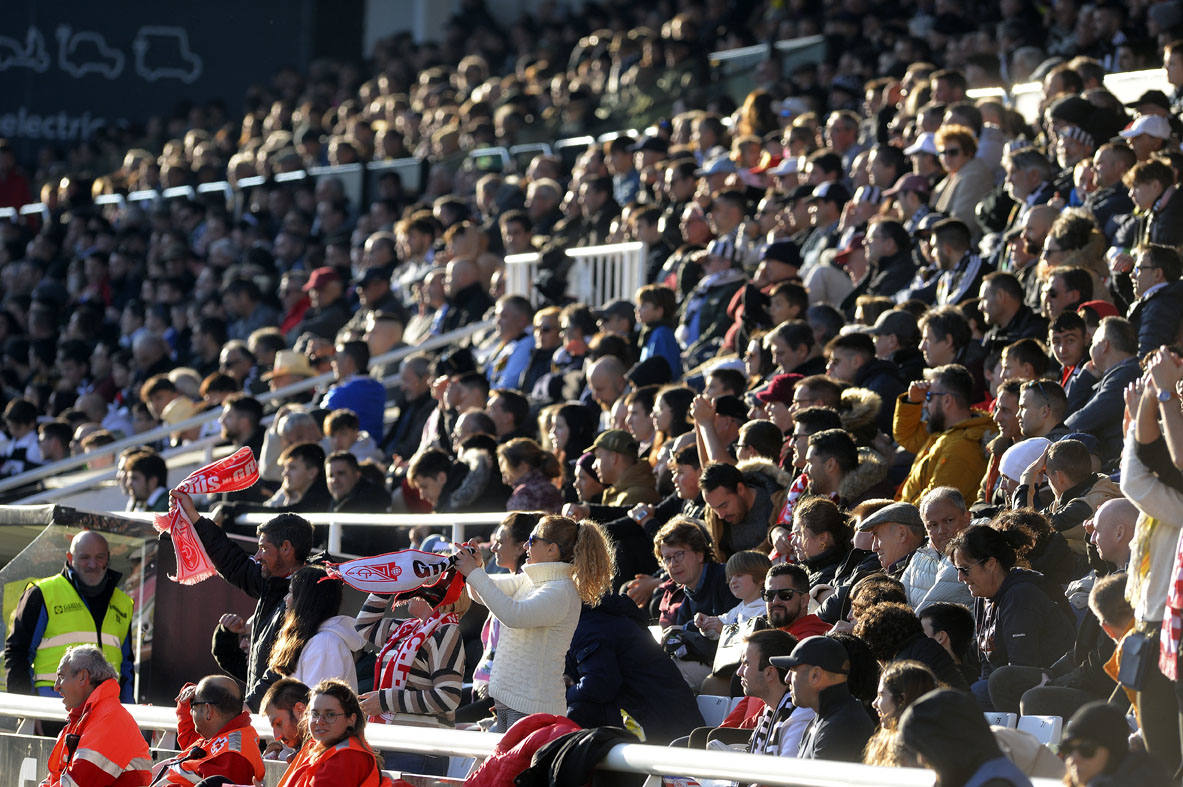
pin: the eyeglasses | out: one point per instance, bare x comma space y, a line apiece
784, 594
193, 703
950, 152
673, 557
1139, 269
930, 395
964, 570
534, 538
546, 328
328, 716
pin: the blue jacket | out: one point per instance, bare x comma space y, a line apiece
616, 664
1101, 417
362, 394
661, 341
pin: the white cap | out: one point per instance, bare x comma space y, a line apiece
925, 143
1020, 456
1154, 125
788, 166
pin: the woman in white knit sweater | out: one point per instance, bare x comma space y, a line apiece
569, 563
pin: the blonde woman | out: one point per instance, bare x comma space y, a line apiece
568, 563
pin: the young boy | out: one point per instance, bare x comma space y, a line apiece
745, 578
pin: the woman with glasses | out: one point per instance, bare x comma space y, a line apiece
568, 563
1017, 617
968, 180
336, 752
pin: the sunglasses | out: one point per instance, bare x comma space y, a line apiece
534, 538
1084, 749
784, 594
964, 570
950, 152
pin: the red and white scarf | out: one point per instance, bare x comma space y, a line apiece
405, 641
235, 472
1172, 621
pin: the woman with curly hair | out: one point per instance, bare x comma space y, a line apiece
900, 684
894, 633
336, 751
567, 563
1017, 620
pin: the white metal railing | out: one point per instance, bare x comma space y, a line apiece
457, 523
1127, 86
598, 274
163, 432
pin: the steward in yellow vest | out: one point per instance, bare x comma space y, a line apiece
82, 605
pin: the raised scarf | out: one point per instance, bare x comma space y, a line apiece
231, 474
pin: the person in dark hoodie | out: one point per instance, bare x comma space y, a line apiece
850, 357
614, 664
470, 483
946, 732
1017, 615
1096, 751
894, 633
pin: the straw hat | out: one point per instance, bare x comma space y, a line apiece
290, 362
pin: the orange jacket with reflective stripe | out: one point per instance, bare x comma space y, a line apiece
108, 748
314, 767
234, 752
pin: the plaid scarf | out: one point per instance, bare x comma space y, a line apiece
231, 474
405, 641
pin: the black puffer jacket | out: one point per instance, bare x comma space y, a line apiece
1022, 624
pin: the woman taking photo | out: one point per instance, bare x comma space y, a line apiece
315, 642
1016, 621
336, 753
567, 563
527, 469
419, 671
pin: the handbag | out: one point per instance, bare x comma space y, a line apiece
1139, 652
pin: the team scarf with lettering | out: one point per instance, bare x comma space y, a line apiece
1172, 619
235, 472
391, 670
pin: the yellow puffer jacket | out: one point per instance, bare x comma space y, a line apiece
956, 457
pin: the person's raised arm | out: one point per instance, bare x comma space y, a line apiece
1166, 370
710, 447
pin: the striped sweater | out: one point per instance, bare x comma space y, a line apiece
432, 692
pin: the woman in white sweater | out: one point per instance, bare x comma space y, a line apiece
569, 563
315, 642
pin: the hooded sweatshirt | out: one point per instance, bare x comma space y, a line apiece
329, 654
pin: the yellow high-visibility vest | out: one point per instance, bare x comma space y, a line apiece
69, 622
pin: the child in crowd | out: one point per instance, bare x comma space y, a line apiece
657, 309
745, 578
344, 433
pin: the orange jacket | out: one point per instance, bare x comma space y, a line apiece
348, 764
956, 457
233, 752
109, 750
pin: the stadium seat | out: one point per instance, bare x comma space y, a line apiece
1002, 719
1046, 728
713, 708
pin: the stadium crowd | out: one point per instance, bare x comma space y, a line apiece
891, 437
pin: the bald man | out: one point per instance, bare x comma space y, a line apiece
214, 734
82, 605
468, 297
605, 379
1111, 529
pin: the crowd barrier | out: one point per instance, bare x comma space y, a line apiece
163, 432
597, 275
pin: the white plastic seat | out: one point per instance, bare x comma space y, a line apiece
1046, 728
998, 719
713, 708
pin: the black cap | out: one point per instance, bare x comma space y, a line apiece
731, 406
1156, 97
1100, 723
784, 251
817, 651
651, 145
1074, 110
369, 275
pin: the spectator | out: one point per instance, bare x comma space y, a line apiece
100, 741
1158, 311
328, 312
354, 389
344, 433
1095, 749
934, 579
742, 504
745, 573
948, 444
284, 705
704, 322
818, 671
783, 722
415, 405
529, 471
900, 684
851, 358
968, 177
894, 634
1113, 354
629, 481
786, 599
470, 484
511, 357
899, 532
336, 750
215, 735
657, 313
148, 481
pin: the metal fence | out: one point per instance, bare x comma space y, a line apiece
597, 275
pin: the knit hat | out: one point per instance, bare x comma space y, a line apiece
1097, 723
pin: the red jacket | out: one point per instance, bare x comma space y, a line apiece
514, 751
110, 749
233, 752
348, 764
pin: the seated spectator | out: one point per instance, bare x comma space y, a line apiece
615, 665
21, 451
1068, 468
837, 469
894, 633
859, 561
704, 322
638, 420
900, 684
530, 472
343, 432
1041, 411
284, 705
215, 735
336, 750
1114, 355
355, 492
952, 626
510, 412
818, 671
629, 480
1016, 620
1024, 359
1096, 750
414, 406
148, 481
1009, 318
947, 730
745, 573
1158, 311
470, 483
782, 723
328, 311
354, 389
304, 489
742, 503
510, 357
786, 602
851, 359
934, 421
54, 440
547, 341
898, 533
932, 578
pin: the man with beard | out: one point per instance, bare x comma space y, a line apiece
743, 504
786, 600
934, 421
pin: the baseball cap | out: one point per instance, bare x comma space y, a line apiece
783, 251
895, 322
916, 183
925, 143
855, 243
832, 192
1155, 97
816, 651
650, 144
618, 441
1102, 308
893, 514
731, 406
1153, 125
767, 161
719, 165
788, 165
780, 389
322, 276
371, 275
804, 191
617, 308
